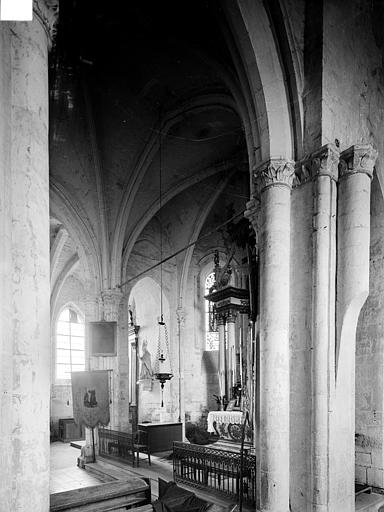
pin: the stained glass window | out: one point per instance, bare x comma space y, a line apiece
70, 352
211, 330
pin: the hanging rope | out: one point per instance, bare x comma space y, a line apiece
161, 376
161, 224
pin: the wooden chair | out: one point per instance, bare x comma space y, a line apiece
141, 445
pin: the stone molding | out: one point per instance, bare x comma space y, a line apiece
220, 319
47, 12
325, 162
274, 172
180, 314
252, 213
359, 158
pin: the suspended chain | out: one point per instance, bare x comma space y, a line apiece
167, 346
157, 365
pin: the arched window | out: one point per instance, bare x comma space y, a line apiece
211, 331
70, 351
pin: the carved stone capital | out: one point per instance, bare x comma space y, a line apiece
47, 12
220, 319
111, 302
325, 162
231, 317
302, 173
92, 308
276, 171
359, 158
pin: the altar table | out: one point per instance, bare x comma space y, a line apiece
228, 425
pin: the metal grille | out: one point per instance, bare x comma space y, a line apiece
115, 444
218, 470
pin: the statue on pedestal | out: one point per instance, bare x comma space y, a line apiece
146, 372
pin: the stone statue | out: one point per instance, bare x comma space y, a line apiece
223, 274
146, 365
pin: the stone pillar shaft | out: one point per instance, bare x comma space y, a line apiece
356, 167
113, 312
180, 314
324, 169
276, 181
25, 345
222, 376
231, 350
92, 314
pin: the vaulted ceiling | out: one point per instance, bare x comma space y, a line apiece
138, 89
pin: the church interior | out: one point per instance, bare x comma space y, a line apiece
191, 208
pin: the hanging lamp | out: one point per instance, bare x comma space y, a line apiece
163, 342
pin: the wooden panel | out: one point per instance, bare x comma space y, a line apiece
69, 431
106, 496
102, 338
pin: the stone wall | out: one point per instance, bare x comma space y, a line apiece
369, 359
146, 297
72, 292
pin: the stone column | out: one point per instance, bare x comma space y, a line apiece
180, 314
113, 312
324, 170
353, 244
25, 288
222, 366
123, 380
135, 364
231, 350
92, 314
274, 180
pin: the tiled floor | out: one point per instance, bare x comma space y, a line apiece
65, 474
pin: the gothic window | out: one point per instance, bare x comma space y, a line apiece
70, 350
211, 330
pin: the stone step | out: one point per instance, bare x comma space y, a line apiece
78, 444
369, 502
107, 472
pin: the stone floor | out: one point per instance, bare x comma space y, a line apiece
369, 502
65, 475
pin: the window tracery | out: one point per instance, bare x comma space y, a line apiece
211, 329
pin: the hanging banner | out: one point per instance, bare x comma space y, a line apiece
90, 398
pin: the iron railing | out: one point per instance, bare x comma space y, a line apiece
113, 443
222, 471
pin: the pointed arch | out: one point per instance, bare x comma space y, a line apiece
74, 219
254, 38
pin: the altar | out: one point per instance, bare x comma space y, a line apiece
228, 425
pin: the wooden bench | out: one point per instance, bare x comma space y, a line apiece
115, 443
124, 445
